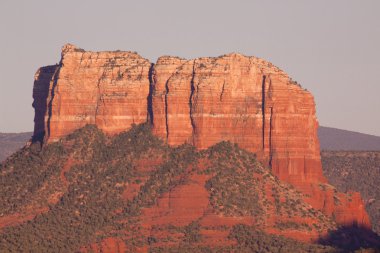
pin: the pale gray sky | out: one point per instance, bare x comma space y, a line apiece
331, 47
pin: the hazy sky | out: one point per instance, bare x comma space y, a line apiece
331, 47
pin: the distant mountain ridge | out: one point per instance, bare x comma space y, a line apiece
10, 142
338, 139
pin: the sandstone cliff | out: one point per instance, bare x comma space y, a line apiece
108, 89
203, 101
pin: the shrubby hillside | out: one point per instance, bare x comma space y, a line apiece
356, 171
131, 192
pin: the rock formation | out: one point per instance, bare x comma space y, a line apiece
203, 101
108, 89
241, 99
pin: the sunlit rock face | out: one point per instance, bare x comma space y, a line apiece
108, 89
242, 99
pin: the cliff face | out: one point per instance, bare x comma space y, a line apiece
241, 99
109, 89
245, 100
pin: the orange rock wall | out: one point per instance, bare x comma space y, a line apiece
242, 99
203, 101
108, 89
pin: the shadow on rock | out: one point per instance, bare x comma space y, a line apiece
349, 238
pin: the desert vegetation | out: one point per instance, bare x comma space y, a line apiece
241, 186
79, 186
356, 171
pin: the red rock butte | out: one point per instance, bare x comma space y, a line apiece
245, 100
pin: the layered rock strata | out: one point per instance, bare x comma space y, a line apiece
241, 99
203, 101
109, 89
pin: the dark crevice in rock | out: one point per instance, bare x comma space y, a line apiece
263, 109
52, 94
150, 95
99, 92
270, 137
221, 94
192, 88
166, 109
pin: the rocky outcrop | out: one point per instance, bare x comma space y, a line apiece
242, 99
203, 101
43, 81
108, 89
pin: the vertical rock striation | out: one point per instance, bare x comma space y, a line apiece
162, 72
203, 101
244, 100
109, 89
